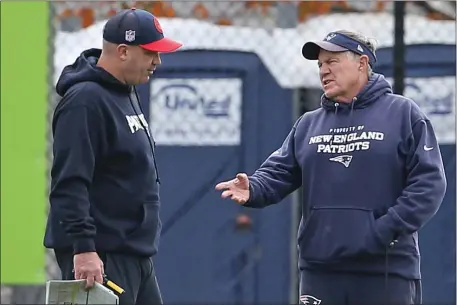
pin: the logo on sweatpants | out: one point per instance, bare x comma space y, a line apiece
309, 300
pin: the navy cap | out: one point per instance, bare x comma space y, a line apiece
140, 28
337, 42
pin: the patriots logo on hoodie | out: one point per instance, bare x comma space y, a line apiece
344, 159
309, 300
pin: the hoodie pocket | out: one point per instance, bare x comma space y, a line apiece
331, 234
150, 219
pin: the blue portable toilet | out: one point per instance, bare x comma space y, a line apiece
214, 114
430, 71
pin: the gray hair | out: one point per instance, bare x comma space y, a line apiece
370, 43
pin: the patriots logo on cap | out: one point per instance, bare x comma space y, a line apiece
344, 159
309, 300
158, 26
129, 35
330, 36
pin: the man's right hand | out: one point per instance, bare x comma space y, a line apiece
88, 266
237, 189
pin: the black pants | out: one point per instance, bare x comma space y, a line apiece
134, 274
356, 289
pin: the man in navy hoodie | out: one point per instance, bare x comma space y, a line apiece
372, 176
104, 214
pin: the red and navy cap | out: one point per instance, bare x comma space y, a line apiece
337, 42
140, 28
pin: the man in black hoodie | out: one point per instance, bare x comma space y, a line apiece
104, 214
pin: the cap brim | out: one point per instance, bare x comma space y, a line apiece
163, 45
311, 49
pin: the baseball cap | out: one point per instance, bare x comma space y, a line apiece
337, 42
138, 27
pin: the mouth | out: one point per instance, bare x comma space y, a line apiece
326, 82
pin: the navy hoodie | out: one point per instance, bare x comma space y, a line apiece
105, 191
372, 176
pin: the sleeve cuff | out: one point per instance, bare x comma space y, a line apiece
83, 245
251, 200
385, 229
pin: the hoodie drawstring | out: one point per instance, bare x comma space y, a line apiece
386, 270
354, 100
337, 105
150, 139
336, 113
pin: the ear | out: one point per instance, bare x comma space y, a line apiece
363, 62
122, 51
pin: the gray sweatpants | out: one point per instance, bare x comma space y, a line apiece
134, 274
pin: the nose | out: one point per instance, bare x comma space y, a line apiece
323, 70
156, 60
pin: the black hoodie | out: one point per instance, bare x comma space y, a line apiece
105, 189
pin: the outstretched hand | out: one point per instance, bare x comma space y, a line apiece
237, 189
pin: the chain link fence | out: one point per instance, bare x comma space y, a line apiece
274, 30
